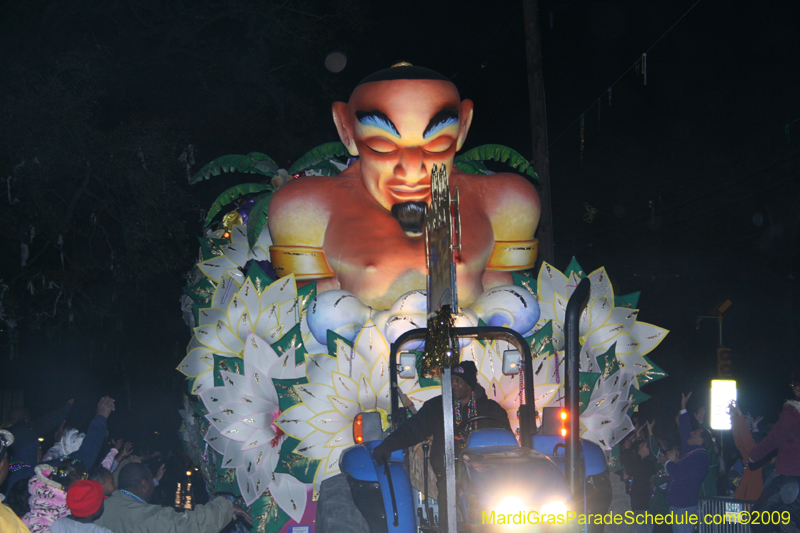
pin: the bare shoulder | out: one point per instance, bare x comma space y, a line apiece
300, 210
510, 201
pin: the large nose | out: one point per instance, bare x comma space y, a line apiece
411, 168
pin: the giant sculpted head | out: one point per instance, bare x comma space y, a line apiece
400, 122
361, 231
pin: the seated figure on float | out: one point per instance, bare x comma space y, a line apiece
361, 231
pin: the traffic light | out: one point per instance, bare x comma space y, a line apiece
724, 362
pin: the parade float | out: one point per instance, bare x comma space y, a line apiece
306, 277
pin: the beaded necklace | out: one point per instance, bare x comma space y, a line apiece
132, 495
13, 467
472, 411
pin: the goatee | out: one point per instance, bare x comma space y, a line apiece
411, 216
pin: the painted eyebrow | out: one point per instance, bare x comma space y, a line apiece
377, 119
442, 119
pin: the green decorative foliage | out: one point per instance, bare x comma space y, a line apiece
268, 517
524, 280
302, 468
541, 342
257, 219
232, 194
636, 397
292, 338
332, 338
258, 277
201, 292
325, 168
654, 374
630, 301
226, 364
226, 479
252, 163
287, 396
305, 294
588, 380
608, 361
471, 167
497, 152
574, 268
211, 248
322, 153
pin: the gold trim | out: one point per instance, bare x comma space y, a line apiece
305, 262
509, 256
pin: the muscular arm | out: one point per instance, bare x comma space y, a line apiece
299, 213
513, 206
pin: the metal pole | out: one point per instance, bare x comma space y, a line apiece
573, 463
541, 159
449, 453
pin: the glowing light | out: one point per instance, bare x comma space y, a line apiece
563, 432
188, 472
554, 508
563, 415
508, 505
358, 429
41, 439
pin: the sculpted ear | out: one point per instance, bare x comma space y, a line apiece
343, 125
466, 121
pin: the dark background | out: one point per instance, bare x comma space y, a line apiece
693, 176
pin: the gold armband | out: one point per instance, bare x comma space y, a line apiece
305, 262
509, 256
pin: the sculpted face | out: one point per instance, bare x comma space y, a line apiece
400, 129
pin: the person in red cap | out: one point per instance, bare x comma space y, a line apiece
85, 502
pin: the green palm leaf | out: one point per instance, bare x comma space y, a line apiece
252, 163
257, 219
232, 194
324, 152
497, 152
472, 167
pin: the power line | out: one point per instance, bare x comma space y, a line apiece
633, 65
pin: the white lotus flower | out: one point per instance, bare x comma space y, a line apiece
602, 327
269, 312
241, 415
605, 421
235, 255
504, 389
601, 324
354, 380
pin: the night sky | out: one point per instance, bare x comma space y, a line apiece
694, 176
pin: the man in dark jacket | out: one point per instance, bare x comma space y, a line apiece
469, 400
688, 473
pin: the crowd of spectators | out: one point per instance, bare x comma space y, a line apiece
666, 474
71, 488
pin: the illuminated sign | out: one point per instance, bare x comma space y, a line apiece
723, 392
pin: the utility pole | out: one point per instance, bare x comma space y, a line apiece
541, 159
